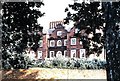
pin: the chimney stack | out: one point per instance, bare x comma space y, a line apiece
53, 24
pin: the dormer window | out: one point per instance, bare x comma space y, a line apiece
59, 33
59, 43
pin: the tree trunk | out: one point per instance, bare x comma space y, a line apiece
112, 44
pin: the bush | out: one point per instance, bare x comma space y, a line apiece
69, 63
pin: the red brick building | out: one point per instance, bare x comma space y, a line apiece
62, 43
56, 41
74, 46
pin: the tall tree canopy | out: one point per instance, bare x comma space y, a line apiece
20, 30
89, 19
94, 16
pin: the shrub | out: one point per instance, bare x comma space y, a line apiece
69, 63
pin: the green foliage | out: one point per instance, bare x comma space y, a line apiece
103, 16
87, 17
71, 64
20, 30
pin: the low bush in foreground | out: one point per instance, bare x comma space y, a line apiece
64, 63
70, 64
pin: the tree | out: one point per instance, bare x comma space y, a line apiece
112, 40
20, 30
90, 17
0, 36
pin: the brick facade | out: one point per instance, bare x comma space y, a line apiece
65, 50
60, 43
59, 46
77, 46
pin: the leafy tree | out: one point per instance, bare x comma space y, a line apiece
20, 30
105, 16
88, 18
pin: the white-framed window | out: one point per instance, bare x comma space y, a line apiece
59, 43
59, 54
81, 43
73, 53
82, 53
65, 53
39, 54
76, 30
52, 54
32, 52
73, 41
32, 55
59, 33
65, 42
40, 43
52, 43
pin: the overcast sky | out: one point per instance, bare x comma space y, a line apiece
54, 11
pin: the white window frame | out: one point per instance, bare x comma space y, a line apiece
40, 41
73, 51
59, 33
58, 43
65, 42
39, 54
81, 53
72, 40
32, 52
53, 43
51, 54
32, 55
59, 55
76, 30
65, 53
80, 42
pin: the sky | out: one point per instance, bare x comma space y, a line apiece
54, 11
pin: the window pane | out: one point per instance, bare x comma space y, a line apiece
65, 53
59, 43
82, 53
59, 33
39, 54
73, 41
76, 30
51, 54
52, 43
73, 53
65, 42
59, 54
40, 43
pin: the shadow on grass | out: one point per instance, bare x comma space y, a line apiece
22, 75
19, 74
